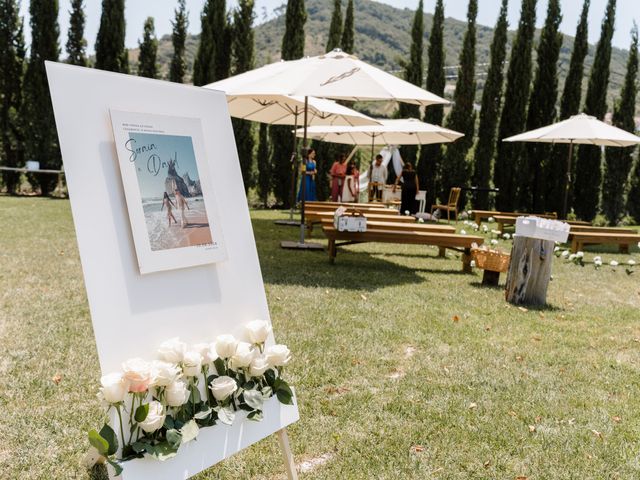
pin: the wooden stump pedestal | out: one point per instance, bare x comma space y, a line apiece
529, 271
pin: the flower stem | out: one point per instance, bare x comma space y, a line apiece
121, 430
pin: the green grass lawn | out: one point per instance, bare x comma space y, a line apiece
405, 368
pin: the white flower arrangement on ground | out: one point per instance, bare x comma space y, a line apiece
160, 406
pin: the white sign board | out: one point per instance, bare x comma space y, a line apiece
133, 313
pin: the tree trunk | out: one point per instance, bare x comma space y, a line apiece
529, 271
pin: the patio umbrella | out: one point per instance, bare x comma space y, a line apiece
581, 129
335, 75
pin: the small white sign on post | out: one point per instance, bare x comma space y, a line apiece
133, 313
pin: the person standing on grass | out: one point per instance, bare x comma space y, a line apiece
309, 177
410, 188
338, 172
378, 178
349, 189
182, 204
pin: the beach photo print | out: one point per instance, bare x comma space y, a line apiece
169, 194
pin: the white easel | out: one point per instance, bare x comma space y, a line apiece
132, 313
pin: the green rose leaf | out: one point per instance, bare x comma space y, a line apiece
169, 422
270, 377
195, 395
141, 413
219, 364
189, 431
109, 435
226, 415
284, 397
253, 398
99, 443
139, 447
174, 438
162, 451
256, 416
201, 415
116, 466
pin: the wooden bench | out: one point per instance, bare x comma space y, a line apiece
401, 227
478, 215
453, 241
335, 205
504, 220
316, 216
623, 240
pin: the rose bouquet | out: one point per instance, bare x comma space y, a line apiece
161, 404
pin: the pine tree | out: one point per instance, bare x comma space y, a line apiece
42, 139
348, 32
588, 168
542, 111
147, 66
431, 155
264, 164
455, 170
413, 74
180, 23
243, 54
11, 75
569, 105
514, 111
335, 29
618, 161
212, 60
110, 51
633, 199
292, 49
490, 110
76, 43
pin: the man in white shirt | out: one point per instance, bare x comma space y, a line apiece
377, 179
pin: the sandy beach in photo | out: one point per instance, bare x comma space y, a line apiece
162, 236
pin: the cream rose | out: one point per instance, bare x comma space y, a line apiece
114, 387
207, 350
177, 394
278, 355
137, 372
243, 356
258, 366
172, 350
226, 346
192, 363
258, 331
163, 373
155, 417
223, 387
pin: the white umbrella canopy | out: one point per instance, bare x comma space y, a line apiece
288, 110
581, 129
389, 132
336, 75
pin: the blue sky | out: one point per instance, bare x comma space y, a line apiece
162, 11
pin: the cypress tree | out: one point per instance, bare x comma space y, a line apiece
212, 60
264, 164
542, 111
491, 102
335, 29
202, 63
633, 199
569, 105
618, 161
110, 52
243, 54
180, 23
292, 49
42, 139
431, 155
455, 171
147, 66
514, 111
413, 74
588, 168
348, 32
76, 43
11, 75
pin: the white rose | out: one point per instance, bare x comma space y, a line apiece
613, 263
631, 262
172, 350
421, 220
137, 372
407, 212
164, 373
114, 387
258, 331
155, 417
258, 366
506, 236
556, 249
491, 219
207, 350
223, 387
572, 257
565, 254
177, 393
192, 363
597, 259
472, 264
597, 263
278, 355
226, 346
580, 254
494, 241
243, 356
463, 232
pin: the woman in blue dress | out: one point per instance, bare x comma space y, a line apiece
309, 177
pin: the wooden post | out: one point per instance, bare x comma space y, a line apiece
289, 464
466, 261
529, 271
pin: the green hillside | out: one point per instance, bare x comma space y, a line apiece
383, 38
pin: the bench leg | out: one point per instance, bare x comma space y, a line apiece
332, 250
500, 227
478, 220
442, 252
466, 261
624, 248
490, 278
574, 245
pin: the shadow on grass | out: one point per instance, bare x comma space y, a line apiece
482, 286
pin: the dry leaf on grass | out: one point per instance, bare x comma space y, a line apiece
522, 477
486, 464
536, 338
417, 448
522, 309
57, 378
616, 419
597, 434
363, 296
487, 328
331, 390
519, 358
472, 405
532, 428
455, 318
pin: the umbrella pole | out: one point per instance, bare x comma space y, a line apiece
304, 178
563, 215
294, 166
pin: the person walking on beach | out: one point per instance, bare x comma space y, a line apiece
166, 202
182, 204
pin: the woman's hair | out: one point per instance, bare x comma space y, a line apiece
407, 166
309, 152
166, 196
342, 157
350, 169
